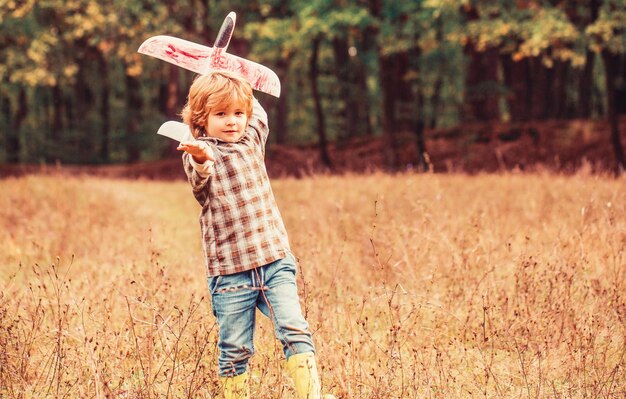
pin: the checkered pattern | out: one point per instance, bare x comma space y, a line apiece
241, 225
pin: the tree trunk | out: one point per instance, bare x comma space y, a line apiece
281, 128
387, 70
404, 104
612, 66
362, 98
83, 102
68, 106
481, 96
57, 113
280, 106
342, 75
5, 125
350, 79
558, 90
418, 117
435, 100
480, 101
368, 50
319, 113
585, 85
515, 75
133, 109
13, 136
539, 89
420, 141
206, 30
620, 85
105, 108
171, 101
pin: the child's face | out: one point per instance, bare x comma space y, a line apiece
227, 122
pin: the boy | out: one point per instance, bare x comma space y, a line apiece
245, 244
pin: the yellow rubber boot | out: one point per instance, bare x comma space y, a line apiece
303, 369
237, 387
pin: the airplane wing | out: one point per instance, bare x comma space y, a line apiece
176, 131
203, 59
183, 53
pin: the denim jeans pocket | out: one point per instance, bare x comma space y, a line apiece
214, 283
290, 262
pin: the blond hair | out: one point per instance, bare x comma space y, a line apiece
211, 90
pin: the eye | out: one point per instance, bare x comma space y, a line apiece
220, 113
239, 113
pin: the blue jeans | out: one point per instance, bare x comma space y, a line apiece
272, 289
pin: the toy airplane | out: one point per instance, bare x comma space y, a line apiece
203, 59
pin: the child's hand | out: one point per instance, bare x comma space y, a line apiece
199, 150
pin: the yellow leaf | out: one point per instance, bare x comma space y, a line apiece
70, 70
134, 69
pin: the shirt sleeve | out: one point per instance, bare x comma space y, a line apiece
258, 122
203, 169
198, 178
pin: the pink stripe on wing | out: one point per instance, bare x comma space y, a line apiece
202, 59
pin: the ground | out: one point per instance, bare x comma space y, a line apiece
415, 285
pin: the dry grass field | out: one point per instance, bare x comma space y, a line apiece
417, 286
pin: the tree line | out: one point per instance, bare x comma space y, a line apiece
74, 89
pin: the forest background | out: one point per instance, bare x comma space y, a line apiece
416, 285
406, 75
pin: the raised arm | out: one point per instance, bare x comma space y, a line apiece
258, 122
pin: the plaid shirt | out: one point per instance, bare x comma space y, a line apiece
241, 225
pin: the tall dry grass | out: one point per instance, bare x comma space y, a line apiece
417, 286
